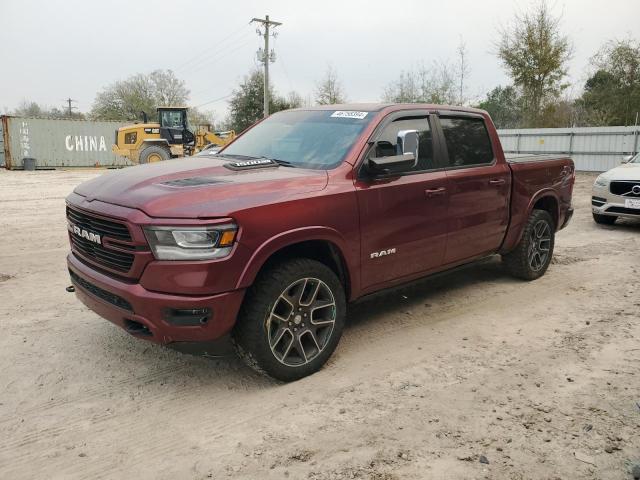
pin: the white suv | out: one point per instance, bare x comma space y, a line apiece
616, 193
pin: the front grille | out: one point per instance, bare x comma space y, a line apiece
620, 187
629, 211
98, 252
108, 297
104, 227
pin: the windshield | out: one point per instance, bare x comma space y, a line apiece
317, 139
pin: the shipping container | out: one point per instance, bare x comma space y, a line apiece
59, 143
594, 149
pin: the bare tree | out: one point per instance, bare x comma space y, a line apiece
33, 109
329, 91
462, 72
535, 54
435, 84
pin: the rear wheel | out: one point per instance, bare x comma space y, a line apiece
532, 256
154, 153
291, 320
604, 219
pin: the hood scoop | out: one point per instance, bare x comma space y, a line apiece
193, 182
251, 164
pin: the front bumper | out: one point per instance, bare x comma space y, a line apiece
603, 202
146, 314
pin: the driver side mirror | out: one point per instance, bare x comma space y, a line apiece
404, 160
626, 159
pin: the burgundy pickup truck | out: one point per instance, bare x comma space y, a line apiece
266, 242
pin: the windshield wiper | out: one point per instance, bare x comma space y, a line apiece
284, 163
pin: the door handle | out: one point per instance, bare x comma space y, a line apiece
434, 192
497, 181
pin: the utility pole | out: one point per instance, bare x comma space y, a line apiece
70, 108
265, 56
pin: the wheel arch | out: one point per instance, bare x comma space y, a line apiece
318, 243
547, 201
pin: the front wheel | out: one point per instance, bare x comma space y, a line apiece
154, 153
291, 320
532, 256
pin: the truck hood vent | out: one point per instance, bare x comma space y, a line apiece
193, 182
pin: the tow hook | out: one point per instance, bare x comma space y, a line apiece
70, 289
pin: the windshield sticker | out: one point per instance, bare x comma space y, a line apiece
349, 114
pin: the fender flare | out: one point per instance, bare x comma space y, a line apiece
291, 237
512, 240
545, 192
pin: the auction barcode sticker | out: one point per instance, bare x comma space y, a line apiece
349, 114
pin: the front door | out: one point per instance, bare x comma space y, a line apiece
402, 217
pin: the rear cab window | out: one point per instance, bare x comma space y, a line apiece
467, 141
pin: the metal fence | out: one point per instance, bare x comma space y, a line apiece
59, 143
1, 146
593, 149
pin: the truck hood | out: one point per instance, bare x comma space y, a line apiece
200, 187
627, 171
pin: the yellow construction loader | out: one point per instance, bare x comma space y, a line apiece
169, 138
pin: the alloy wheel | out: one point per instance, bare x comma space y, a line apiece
539, 245
301, 322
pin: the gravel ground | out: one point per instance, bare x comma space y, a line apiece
471, 375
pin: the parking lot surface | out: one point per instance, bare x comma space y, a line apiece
470, 375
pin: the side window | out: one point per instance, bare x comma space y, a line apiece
467, 140
387, 141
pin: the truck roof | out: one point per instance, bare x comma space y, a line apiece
377, 107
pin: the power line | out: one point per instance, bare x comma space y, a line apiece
284, 69
203, 53
217, 58
214, 100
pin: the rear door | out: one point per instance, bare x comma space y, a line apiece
478, 186
403, 217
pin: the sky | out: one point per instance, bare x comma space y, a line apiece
51, 50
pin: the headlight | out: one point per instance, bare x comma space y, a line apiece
601, 181
191, 243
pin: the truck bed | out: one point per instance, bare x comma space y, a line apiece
525, 158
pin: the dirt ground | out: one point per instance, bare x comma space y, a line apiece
473, 375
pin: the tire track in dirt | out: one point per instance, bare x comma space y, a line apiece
190, 401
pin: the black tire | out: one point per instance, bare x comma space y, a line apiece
532, 256
154, 151
271, 300
604, 219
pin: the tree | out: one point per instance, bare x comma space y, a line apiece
246, 104
125, 99
504, 104
535, 54
29, 108
437, 84
612, 93
200, 117
329, 91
